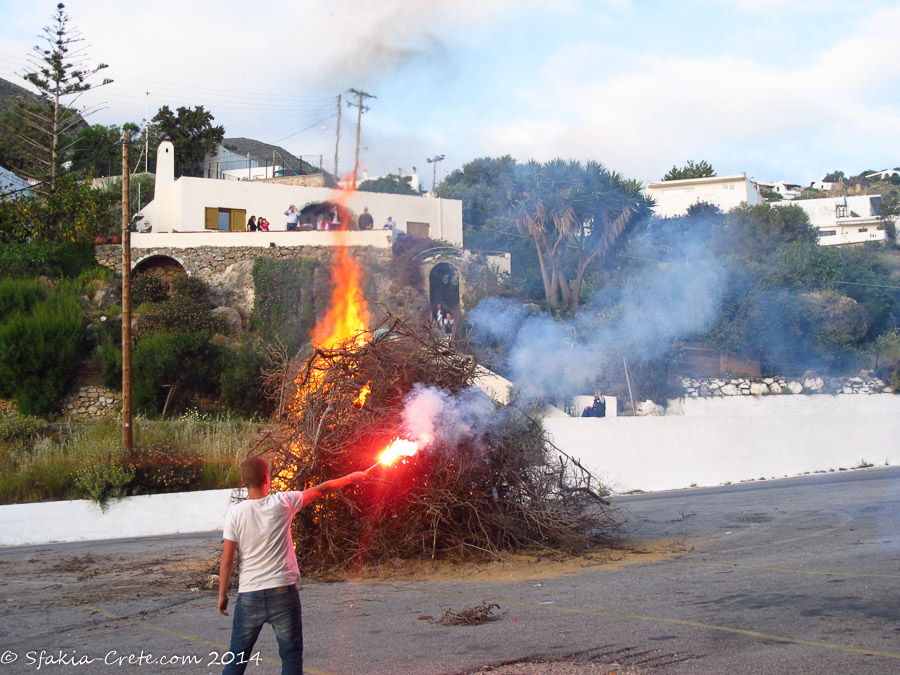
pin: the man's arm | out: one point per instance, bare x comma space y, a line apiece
329, 486
225, 567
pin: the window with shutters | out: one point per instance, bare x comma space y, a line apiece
224, 219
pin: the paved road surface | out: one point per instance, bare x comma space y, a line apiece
792, 576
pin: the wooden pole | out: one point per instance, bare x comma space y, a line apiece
127, 438
337, 140
628, 381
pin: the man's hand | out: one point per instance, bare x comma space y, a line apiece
356, 476
228, 549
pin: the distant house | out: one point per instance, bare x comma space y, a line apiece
844, 220
673, 197
786, 190
11, 183
887, 174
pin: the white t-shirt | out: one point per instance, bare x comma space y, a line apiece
262, 530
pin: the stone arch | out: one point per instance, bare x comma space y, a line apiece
162, 266
310, 212
444, 284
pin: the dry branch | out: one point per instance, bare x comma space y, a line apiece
491, 493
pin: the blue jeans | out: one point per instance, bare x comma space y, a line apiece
281, 608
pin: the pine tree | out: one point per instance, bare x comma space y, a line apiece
59, 72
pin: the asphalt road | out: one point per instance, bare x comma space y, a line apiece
791, 576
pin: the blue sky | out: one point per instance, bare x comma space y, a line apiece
785, 90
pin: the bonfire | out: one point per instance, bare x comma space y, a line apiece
453, 475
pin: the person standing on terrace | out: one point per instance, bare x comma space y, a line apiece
293, 217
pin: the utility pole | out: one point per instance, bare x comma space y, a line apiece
434, 162
361, 95
337, 142
127, 438
146, 138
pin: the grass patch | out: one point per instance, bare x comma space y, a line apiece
44, 466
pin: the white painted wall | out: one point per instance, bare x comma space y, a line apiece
673, 197
734, 438
83, 520
190, 197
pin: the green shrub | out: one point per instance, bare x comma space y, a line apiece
148, 288
57, 260
190, 362
19, 295
284, 303
192, 288
17, 427
102, 479
177, 315
160, 469
241, 380
39, 353
110, 357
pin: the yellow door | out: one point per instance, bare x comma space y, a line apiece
238, 220
211, 219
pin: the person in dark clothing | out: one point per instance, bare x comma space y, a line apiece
597, 408
366, 221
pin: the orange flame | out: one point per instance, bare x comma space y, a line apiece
346, 319
363, 395
399, 447
348, 316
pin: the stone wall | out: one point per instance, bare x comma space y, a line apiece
90, 402
811, 383
217, 259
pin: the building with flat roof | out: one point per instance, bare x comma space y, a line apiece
844, 220
674, 197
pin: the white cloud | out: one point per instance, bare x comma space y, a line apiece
737, 114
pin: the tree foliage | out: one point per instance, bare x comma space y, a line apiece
192, 133
573, 213
690, 170
391, 184
74, 212
60, 73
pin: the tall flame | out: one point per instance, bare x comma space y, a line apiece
348, 316
346, 319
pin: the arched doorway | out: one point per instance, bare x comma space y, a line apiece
443, 287
161, 266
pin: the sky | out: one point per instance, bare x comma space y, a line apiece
788, 90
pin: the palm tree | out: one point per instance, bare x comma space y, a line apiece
568, 208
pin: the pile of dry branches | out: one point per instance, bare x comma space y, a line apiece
482, 495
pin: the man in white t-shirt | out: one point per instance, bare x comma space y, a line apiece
260, 528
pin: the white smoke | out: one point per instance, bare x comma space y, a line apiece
640, 320
433, 416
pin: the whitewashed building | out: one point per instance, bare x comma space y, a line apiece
673, 197
844, 220
215, 212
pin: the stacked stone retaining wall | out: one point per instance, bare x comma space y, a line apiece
809, 384
91, 402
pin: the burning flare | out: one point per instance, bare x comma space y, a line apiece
399, 447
